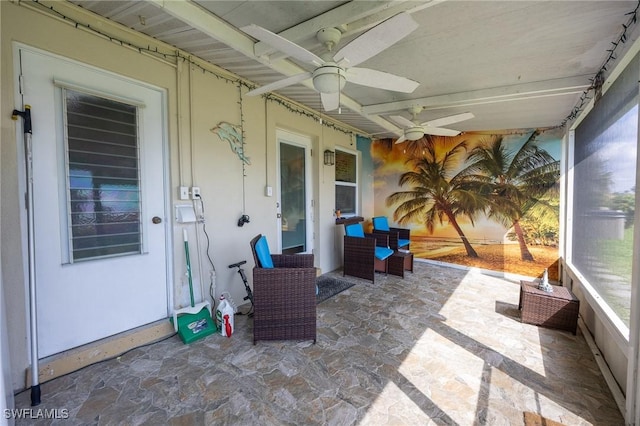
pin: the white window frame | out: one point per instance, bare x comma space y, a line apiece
355, 184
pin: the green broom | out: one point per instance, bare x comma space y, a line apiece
194, 322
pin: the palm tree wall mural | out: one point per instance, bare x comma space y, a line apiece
435, 192
484, 199
517, 181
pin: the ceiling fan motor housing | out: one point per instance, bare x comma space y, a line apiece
329, 37
329, 78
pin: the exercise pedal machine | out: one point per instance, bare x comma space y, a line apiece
249, 295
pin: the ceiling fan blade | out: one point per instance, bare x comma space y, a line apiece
377, 39
297, 78
401, 139
330, 101
445, 121
282, 44
404, 122
440, 131
381, 80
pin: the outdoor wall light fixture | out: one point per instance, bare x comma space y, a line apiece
329, 157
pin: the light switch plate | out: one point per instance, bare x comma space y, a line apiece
184, 192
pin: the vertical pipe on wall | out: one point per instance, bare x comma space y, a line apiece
266, 144
191, 122
193, 181
179, 66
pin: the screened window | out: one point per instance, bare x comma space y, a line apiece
604, 192
103, 176
346, 183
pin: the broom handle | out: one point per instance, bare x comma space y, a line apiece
186, 251
35, 369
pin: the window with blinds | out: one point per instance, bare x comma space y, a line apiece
103, 176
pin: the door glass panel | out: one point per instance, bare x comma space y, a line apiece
103, 176
293, 196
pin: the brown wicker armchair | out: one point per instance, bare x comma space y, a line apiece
284, 295
364, 254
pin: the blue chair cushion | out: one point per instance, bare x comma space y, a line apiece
354, 230
263, 253
403, 243
380, 223
383, 252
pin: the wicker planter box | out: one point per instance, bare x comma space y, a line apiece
558, 309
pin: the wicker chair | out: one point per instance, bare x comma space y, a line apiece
364, 254
284, 295
399, 238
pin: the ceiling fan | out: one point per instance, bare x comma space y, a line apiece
414, 130
333, 70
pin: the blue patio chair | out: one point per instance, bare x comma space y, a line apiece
364, 254
399, 238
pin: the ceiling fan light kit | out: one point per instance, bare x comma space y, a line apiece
329, 78
414, 133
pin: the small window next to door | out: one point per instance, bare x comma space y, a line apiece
103, 176
346, 183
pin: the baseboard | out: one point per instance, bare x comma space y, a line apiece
74, 359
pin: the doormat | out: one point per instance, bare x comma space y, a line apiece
330, 286
533, 419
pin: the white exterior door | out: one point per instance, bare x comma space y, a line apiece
99, 208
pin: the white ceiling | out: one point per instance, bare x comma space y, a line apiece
513, 64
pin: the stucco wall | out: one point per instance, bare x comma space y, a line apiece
197, 101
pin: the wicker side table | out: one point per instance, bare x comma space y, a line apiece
558, 309
399, 262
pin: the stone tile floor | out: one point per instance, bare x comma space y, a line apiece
442, 346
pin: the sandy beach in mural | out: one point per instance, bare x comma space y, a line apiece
494, 257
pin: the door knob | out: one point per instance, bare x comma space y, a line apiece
156, 220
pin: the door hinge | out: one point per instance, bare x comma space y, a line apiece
21, 84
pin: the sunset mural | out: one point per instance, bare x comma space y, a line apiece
489, 200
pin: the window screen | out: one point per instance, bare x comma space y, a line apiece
103, 176
604, 192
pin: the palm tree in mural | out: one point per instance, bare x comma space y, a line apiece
435, 194
513, 181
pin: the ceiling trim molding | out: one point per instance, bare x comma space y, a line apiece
518, 92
